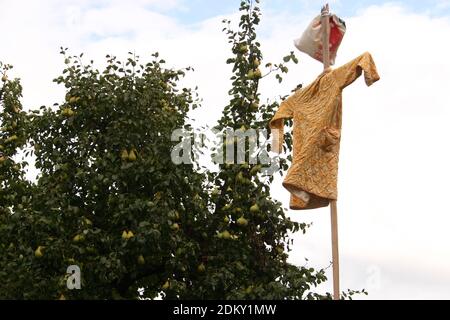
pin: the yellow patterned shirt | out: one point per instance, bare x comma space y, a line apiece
317, 116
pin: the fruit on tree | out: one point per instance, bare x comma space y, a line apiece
201, 267
124, 155
242, 221
226, 235
78, 238
254, 208
132, 155
141, 260
38, 253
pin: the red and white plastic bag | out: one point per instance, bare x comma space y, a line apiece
311, 40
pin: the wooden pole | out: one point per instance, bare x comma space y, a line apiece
325, 14
335, 249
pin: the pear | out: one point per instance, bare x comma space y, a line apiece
124, 235
4, 78
256, 62
257, 74
2, 159
226, 219
242, 221
255, 169
68, 112
164, 104
61, 297
244, 165
12, 138
124, 155
87, 221
197, 197
174, 215
78, 238
254, 106
254, 208
243, 49
201, 268
226, 234
240, 178
229, 189
132, 155
130, 235
175, 227
166, 285
38, 253
73, 99
251, 74
16, 109
141, 260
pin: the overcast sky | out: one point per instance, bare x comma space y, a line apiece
393, 206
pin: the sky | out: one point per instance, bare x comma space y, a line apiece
393, 175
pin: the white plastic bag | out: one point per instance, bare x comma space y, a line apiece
311, 40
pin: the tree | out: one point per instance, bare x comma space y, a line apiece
109, 199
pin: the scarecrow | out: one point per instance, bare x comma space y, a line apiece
316, 111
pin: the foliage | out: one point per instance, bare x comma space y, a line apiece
105, 168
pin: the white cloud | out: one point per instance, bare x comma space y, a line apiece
443, 4
393, 178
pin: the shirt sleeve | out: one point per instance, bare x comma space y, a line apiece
285, 111
349, 72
